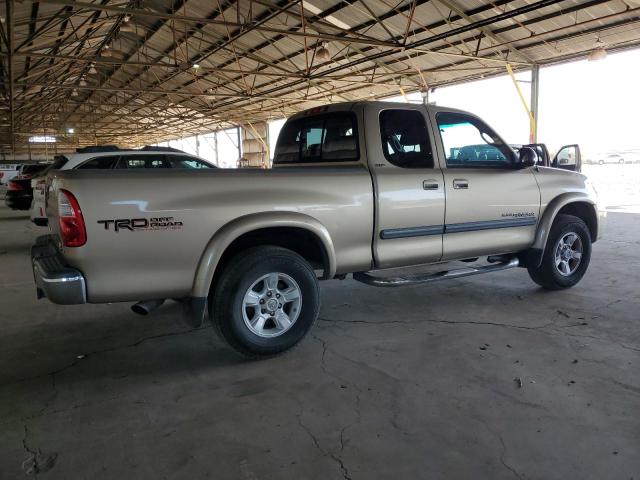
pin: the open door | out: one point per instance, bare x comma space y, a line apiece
568, 158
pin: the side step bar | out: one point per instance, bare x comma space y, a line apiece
501, 264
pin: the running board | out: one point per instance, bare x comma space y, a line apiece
369, 279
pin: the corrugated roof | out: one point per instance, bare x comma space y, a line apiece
122, 72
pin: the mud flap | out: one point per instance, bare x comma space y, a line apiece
194, 311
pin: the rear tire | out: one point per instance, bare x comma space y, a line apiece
265, 301
566, 254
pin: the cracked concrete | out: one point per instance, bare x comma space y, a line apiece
404, 383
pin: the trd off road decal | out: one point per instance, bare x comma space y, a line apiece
519, 214
145, 224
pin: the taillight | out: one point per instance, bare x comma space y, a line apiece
15, 186
70, 219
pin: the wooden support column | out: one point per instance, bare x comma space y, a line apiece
255, 147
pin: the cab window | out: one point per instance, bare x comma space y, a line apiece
324, 138
405, 139
470, 143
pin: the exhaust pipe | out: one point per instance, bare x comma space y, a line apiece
146, 306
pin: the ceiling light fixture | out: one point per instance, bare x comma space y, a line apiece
126, 25
74, 93
323, 54
195, 66
83, 82
70, 130
92, 69
598, 52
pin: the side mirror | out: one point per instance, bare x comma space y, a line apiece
527, 157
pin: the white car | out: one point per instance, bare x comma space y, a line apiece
108, 158
610, 158
8, 171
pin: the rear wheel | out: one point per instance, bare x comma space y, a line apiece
265, 301
566, 255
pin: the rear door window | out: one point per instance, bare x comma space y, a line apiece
100, 163
182, 161
324, 138
143, 161
405, 139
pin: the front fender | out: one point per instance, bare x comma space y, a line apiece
550, 213
256, 221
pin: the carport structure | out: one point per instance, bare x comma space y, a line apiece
143, 71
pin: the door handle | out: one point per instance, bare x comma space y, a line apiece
460, 183
430, 184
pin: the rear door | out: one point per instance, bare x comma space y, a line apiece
408, 186
492, 205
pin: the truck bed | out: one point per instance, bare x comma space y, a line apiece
153, 226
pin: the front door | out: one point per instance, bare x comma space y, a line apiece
408, 185
492, 205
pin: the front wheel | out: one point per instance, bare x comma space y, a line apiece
265, 301
566, 254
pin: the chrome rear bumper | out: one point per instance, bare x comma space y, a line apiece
54, 280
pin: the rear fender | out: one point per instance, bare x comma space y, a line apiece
255, 221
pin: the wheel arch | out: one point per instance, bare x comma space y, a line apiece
296, 231
576, 204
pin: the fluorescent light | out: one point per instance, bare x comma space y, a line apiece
70, 130
195, 66
42, 139
329, 18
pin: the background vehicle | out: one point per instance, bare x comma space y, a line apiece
8, 171
246, 244
112, 158
19, 193
609, 159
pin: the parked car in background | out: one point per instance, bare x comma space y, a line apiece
608, 158
112, 158
8, 171
19, 193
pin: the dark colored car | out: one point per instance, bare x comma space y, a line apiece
19, 193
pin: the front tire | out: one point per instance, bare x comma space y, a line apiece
265, 301
566, 254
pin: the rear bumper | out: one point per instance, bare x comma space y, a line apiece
18, 201
53, 278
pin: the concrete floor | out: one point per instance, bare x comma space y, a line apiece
406, 383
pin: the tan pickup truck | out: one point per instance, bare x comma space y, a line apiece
356, 188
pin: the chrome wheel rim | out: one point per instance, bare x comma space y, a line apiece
568, 254
271, 305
